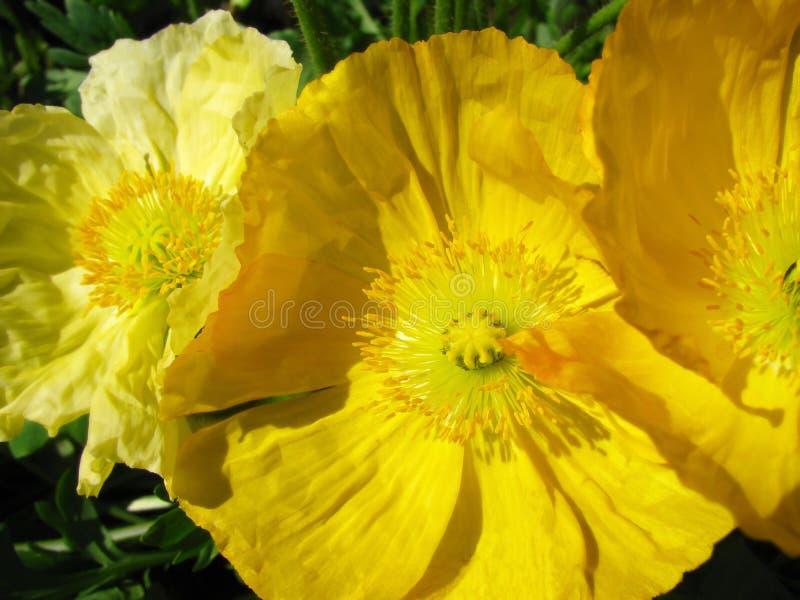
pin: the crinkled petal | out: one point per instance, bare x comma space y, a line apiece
134, 89
760, 448
578, 515
52, 165
510, 531
173, 98
525, 192
227, 73
632, 503
688, 92
325, 213
743, 454
389, 135
48, 360
123, 415
519, 161
318, 497
285, 326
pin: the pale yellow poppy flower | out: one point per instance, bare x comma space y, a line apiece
119, 231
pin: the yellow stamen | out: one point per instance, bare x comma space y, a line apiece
440, 353
150, 235
753, 269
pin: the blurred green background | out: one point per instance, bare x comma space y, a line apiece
131, 542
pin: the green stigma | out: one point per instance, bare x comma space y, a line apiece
472, 341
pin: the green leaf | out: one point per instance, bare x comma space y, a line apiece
314, 24
68, 58
32, 437
170, 529
29, 52
418, 27
176, 532
131, 592
205, 555
64, 80
57, 23
49, 515
8, 15
84, 27
362, 16
76, 519
79, 428
72, 102
160, 491
71, 506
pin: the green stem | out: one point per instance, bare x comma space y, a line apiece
193, 10
123, 515
605, 16
420, 23
500, 13
368, 24
401, 18
586, 50
481, 12
460, 15
443, 16
311, 24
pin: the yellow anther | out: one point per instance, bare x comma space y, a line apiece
149, 235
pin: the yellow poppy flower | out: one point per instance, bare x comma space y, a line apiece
400, 223
119, 231
696, 124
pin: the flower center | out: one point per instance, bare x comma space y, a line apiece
151, 234
449, 305
472, 341
754, 273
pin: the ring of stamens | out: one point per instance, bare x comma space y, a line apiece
149, 235
434, 335
753, 269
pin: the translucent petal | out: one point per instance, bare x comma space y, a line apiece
742, 454
669, 137
389, 133
51, 166
123, 414
133, 90
350, 504
280, 312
